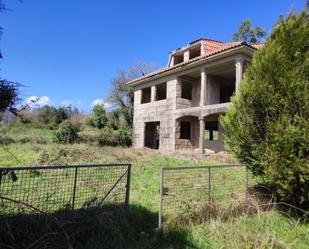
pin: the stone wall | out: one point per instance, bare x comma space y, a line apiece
186, 143
156, 111
196, 93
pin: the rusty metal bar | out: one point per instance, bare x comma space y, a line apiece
74, 188
206, 166
63, 166
128, 185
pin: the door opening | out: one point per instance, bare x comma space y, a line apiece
152, 135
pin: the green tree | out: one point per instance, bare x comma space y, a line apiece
267, 126
52, 116
61, 115
248, 34
99, 118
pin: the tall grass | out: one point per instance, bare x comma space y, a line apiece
264, 229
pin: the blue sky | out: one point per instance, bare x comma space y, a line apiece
69, 50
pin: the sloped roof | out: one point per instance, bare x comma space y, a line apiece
212, 47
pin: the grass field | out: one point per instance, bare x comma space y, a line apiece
29, 145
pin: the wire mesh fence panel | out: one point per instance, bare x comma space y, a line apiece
183, 190
187, 190
98, 186
227, 184
53, 188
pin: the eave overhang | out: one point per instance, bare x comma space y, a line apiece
242, 48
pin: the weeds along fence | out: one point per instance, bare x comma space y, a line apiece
53, 188
187, 190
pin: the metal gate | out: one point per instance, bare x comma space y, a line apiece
53, 188
186, 190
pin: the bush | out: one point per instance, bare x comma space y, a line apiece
267, 126
99, 119
67, 133
110, 137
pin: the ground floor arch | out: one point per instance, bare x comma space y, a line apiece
213, 133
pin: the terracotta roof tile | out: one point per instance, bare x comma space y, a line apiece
212, 47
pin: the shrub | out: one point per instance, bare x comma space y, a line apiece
99, 118
110, 137
125, 137
67, 133
267, 125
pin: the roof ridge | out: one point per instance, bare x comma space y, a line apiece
205, 39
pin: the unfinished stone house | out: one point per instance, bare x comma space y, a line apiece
178, 107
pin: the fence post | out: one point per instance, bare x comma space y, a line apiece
161, 199
74, 188
127, 198
209, 192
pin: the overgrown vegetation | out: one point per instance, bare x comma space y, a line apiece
110, 229
267, 127
110, 137
70, 126
52, 117
67, 133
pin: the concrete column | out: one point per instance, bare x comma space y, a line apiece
239, 61
203, 49
186, 56
153, 93
201, 136
203, 86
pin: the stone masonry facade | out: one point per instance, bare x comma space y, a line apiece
178, 107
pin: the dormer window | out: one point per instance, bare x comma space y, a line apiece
195, 52
178, 59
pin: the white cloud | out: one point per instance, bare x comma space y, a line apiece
35, 101
107, 105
